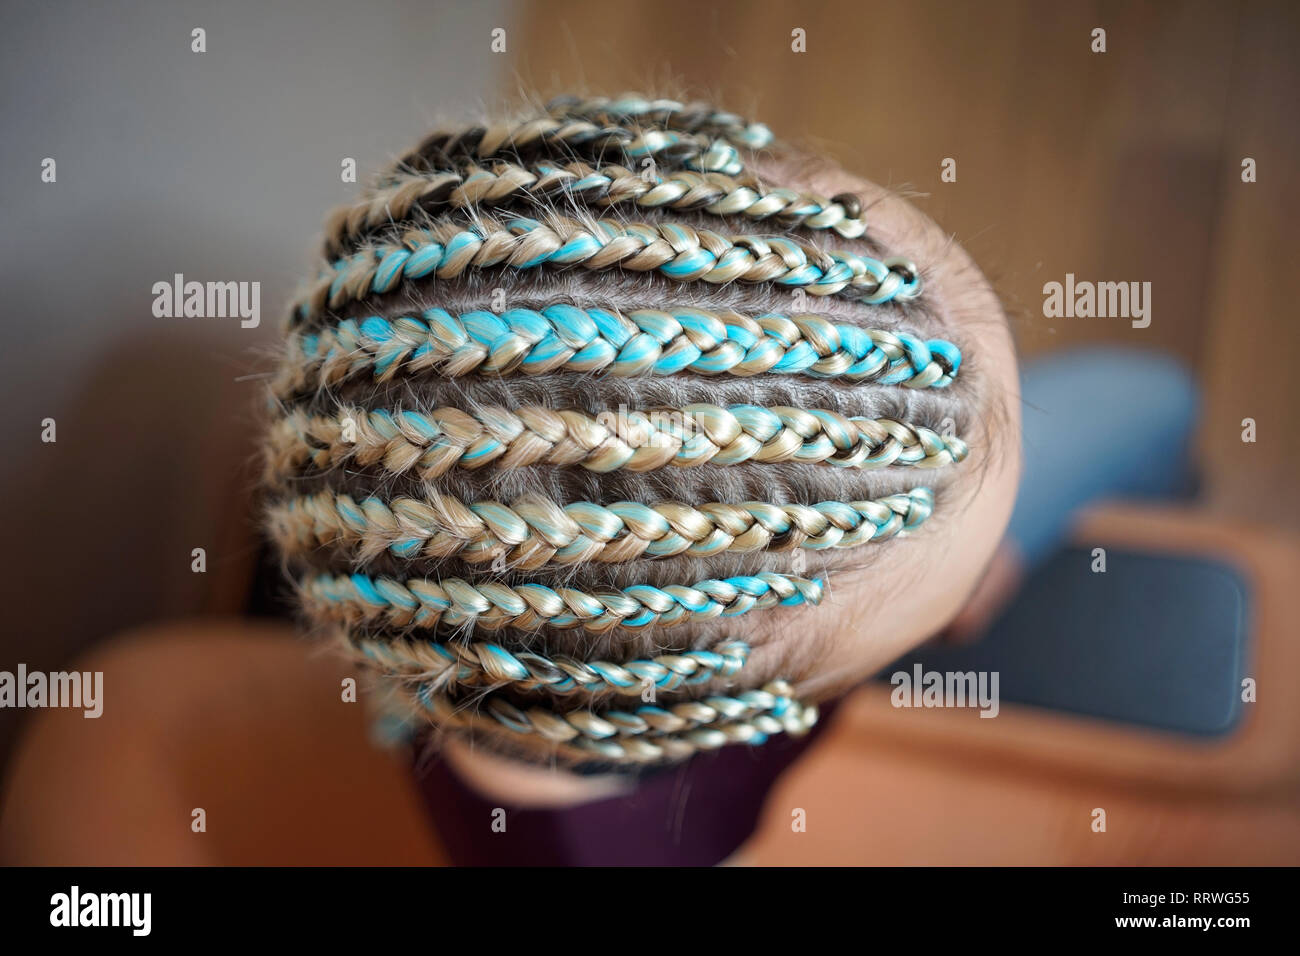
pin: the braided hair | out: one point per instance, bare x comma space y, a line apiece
574, 391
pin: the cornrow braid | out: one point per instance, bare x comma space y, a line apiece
523, 513
533, 532
432, 443
425, 603
448, 250
573, 137
670, 114
646, 735
470, 187
642, 342
485, 664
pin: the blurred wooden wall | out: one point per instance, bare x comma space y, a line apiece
1122, 166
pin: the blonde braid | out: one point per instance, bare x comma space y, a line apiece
441, 666
432, 443
454, 602
533, 532
570, 137
449, 250
471, 187
647, 735
666, 113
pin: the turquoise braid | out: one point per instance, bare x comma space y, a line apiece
640, 342
484, 664
453, 602
676, 251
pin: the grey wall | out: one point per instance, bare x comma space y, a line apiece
219, 165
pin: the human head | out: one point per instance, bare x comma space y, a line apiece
565, 366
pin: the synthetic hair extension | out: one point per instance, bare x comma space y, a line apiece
437, 665
649, 733
533, 532
680, 252
570, 137
423, 603
430, 443
642, 342
696, 117
472, 186
555, 410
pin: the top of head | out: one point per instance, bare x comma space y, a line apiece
585, 407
